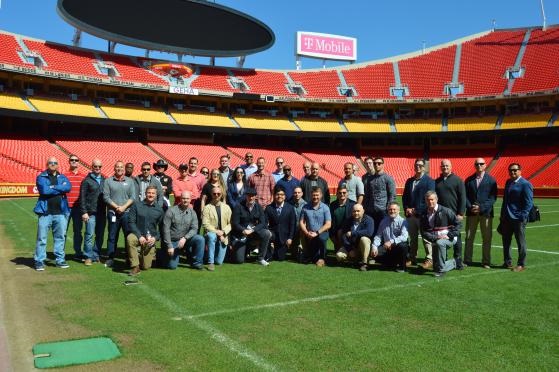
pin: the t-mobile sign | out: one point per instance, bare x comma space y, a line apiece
326, 46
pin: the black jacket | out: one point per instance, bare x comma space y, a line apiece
283, 227
445, 219
91, 195
242, 217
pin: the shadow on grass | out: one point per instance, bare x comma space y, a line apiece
24, 261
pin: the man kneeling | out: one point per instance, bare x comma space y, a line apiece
356, 236
390, 245
440, 227
143, 220
180, 227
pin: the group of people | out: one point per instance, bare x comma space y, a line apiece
230, 213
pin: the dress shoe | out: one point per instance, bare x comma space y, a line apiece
518, 269
363, 267
459, 264
507, 266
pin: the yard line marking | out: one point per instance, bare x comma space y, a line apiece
215, 334
348, 294
549, 212
515, 249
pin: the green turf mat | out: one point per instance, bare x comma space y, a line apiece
72, 352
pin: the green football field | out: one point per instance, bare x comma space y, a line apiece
290, 316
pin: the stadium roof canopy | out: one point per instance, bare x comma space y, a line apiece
194, 27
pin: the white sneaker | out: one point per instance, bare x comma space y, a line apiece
263, 262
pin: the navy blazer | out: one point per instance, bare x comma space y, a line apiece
416, 198
485, 195
283, 227
242, 217
365, 228
517, 199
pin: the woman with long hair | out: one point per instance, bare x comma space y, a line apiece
214, 180
236, 187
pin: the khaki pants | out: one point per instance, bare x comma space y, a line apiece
485, 225
413, 231
364, 246
138, 255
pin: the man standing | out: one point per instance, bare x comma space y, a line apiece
451, 193
308, 183
180, 231
380, 190
216, 219
390, 245
182, 183
297, 202
263, 183
278, 173
440, 227
288, 182
249, 167
75, 176
306, 169
144, 221
143, 181
281, 223
356, 237
118, 194
314, 223
249, 227
481, 194
517, 203
353, 184
166, 182
129, 170
52, 209
196, 177
413, 200
93, 212
224, 169
341, 210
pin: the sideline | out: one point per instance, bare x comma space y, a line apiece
351, 294
215, 334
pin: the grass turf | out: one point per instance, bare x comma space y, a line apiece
290, 316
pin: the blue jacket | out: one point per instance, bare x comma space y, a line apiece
484, 195
416, 198
46, 191
517, 199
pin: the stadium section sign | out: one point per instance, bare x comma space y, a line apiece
326, 46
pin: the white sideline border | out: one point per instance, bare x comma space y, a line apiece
353, 293
232, 345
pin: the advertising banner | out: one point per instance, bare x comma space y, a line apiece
12, 190
326, 46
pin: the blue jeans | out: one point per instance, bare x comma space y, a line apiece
77, 224
56, 222
216, 249
120, 222
194, 247
95, 225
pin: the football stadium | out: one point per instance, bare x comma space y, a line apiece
492, 95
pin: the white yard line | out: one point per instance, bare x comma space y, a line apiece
351, 294
515, 249
232, 345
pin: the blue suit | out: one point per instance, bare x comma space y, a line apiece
517, 202
415, 197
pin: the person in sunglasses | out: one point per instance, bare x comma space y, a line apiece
145, 179
518, 199
481, 194
75, 176
52, 209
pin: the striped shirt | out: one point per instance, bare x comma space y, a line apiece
75, 180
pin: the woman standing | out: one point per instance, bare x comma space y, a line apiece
236, 187
214, 180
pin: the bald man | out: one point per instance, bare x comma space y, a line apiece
180, 231
52, 210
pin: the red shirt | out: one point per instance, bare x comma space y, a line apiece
264, 184
199, 180
184, 184
75, 180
